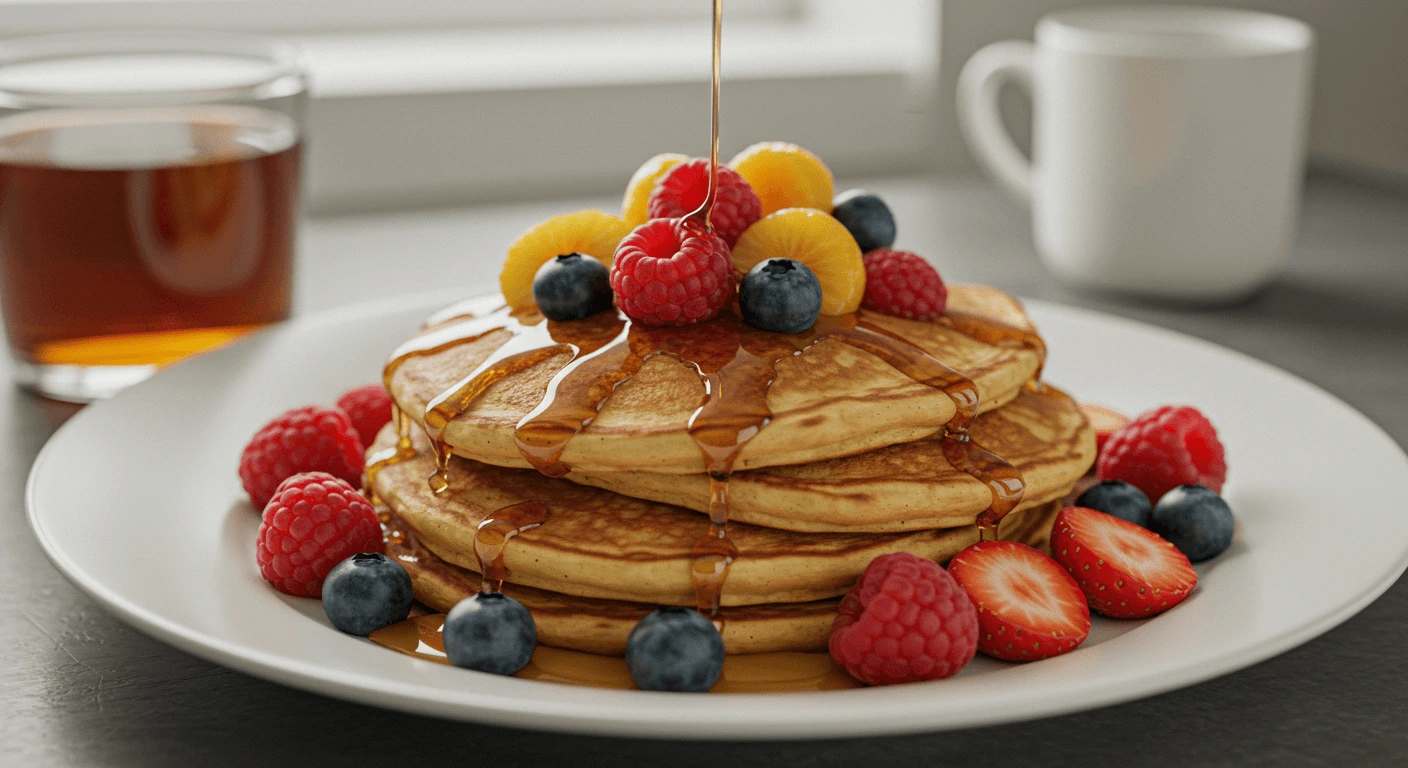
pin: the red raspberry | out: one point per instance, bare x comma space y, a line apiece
1164, 448
903, 284
307, 439
906, 620
670, 272
681, 191
369, 409
314, 522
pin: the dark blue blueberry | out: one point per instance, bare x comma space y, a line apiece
572, 287
675, 649
1196, 520
1119, 499
867, 217
366, 592
490, 632
780, 295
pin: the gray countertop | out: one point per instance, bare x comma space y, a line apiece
81, 688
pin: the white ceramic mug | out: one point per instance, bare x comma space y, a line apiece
1168, 144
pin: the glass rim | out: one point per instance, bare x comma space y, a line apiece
287, 73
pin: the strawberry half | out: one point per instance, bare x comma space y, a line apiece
1125, 571
1028, 607
1104, 420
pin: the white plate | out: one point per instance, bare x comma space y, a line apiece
136, 500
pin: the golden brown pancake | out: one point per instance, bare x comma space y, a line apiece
896, 488
602, 626
600, 544
831, 400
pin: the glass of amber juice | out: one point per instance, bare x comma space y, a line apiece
148, 200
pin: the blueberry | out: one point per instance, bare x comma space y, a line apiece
780, 295
867, 217
366, 592
1118, 499
1196, 520
675, 649
572, 287
490, 632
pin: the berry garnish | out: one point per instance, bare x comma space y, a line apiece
642, 184
671, 272
368, 408
572, 287
675, 649
1196, 520
780, 295
307, 439
1125, 571
490, 632
1028, 607
1163, 448
313, 522
903, 284
906, 620
682, 190
785, 176
591, 233
366, 592
867, 217
1118, 498
814, 239
1104, 421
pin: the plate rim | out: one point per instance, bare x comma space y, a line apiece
493, 709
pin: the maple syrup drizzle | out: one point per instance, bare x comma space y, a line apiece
493, 535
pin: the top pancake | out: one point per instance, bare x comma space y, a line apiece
831, 400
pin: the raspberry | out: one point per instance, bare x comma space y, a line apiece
906, 620
682, 190
313, 522
1165, 448
307, 439
903, 284
368, 408
670, 272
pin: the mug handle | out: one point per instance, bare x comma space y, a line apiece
978, 116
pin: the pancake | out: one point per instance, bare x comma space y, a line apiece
602, 626
601, 544
903, 487
830, 400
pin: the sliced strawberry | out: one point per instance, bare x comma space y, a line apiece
1127, 572
1028, 607
1104, 420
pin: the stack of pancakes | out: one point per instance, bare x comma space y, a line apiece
849, 466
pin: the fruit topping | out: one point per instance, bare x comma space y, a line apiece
681, 191
490, 632
867, 217
368, 408
591, 233
675, 649
1163, 448
572, 287
785, 176
903, 284
780, 295
1118, 498
671, 272
1028, 607
1125, 571
814, 239
1104, 421
637, 199
1196, 520
307, 439
313, 522
366, 592
906, 620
